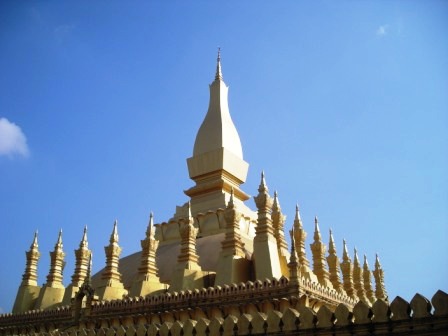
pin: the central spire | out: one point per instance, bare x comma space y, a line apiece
217, 163
218, 130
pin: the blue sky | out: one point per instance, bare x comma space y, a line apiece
343, 104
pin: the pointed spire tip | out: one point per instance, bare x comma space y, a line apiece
262, 187
218, 75
34, 243
114, 235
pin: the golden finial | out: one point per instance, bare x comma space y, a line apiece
356, 259
366, 264
377, 261
34, 243
297, 216
83, 242
114, 235
276, 206
317, 236
332, 246
59, 242
345, 255
150, 225
218, 75
263, 187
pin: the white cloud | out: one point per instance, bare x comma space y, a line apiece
12, 139
382, 30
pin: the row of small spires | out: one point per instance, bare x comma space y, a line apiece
83, 245
356, 280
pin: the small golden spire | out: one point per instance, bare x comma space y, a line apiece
54, 277
332, 246
377, 261
150, 225
59, 242
263, 187
82, 256
334, 265
293, 264
347, 273
34, 243
318, 249
345, 256
300, 237
356, 259
297, 217
188, 257
114, 235
367, 277
232, 244
378, 273
358, 278
264, 235
263, 201
84, 242
278, 222
317, 236
32, 257
148, 268
218, 75
366, 264
276, 205
111, 272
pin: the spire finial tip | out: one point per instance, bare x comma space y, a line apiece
218, 75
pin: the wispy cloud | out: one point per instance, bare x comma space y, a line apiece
63, 31
12, 139
382, 30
